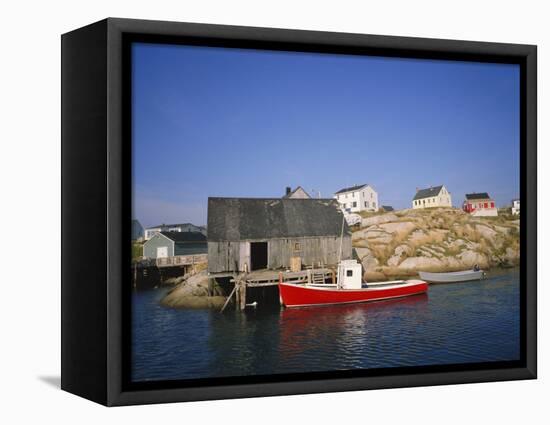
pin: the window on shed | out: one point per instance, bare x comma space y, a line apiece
297, 246
349, 273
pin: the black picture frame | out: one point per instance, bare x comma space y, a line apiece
96, 178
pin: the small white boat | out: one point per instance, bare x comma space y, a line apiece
462, 276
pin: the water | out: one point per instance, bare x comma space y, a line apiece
453, 323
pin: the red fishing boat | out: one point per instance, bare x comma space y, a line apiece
348, 289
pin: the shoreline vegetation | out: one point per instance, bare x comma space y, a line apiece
393, 245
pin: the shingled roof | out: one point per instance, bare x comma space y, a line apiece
234, 219
174, 225
482, 195
352, 188
427, 193
185, 236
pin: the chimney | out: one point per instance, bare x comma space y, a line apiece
288, 190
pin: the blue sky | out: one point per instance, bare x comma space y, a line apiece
232, 122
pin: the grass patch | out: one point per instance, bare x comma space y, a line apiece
137, 250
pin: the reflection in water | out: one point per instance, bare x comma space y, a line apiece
454, 323
347, 332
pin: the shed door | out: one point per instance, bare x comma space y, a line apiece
258, 255
162, 252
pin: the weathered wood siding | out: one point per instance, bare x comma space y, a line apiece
223, 256
232, 256
312, 251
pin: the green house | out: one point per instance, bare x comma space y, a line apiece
170, 244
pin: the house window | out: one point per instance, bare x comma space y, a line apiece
354, 204
371, 195
486, 205
297, 246
366, 204
349, 273
374, 205
492, 204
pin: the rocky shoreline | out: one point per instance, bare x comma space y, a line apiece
399, 244
396, 245
194, 291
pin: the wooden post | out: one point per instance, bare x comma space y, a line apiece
210, 287
243, 296
238, 292
228, 298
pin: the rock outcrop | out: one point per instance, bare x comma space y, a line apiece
194, 291
443, 239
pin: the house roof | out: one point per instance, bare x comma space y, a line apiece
352, 188
174, 225
185, 236
296, 190
482, 195
427, 193
234, 219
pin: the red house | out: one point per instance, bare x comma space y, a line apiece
480, 204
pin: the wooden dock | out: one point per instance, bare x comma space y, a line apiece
181, 260
175, 261
150, 272
263, 278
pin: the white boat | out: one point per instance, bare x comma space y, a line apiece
462, 276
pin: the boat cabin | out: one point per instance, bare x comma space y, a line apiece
349, 274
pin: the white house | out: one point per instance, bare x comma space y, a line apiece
185, 227
357, 198
515, 206
432, 197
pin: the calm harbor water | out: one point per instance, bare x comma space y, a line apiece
453, 323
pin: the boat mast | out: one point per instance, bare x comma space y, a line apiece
340, 251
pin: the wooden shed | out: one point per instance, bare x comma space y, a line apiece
246, 234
